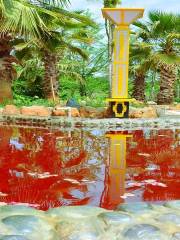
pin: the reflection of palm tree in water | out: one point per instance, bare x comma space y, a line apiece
41, 173
54, 168
156, 158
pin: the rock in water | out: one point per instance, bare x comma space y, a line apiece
75, 212
135, 207
90, 228
13, 237
17, 222
83, 236
32, 227
115, 218
176, 236
170, 217
18, 210
173, 204
143, 232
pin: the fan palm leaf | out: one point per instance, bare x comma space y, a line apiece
162, 32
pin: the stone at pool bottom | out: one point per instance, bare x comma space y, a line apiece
135, 207
13, 237
17, 222
173, 204
170, 217
25, 222
143, 232
176, 236
129, 222
115, 218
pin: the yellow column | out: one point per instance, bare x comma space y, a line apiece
120, 63
121, 18
117, 167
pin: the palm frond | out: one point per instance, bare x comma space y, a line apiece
58, 3
21, 19
76, 50
167, 59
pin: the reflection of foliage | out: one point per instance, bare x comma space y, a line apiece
37, 172
160, 151
53, 168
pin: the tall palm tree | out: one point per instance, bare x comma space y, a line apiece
18, 18
64, 35
162, 31
53, 48
30, 19
141, 61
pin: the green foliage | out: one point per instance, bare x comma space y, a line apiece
21, 100
81, 52
155, 48
30, 79
152, 86
97, 90
111, 3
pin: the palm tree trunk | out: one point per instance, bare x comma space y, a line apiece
139, 87
167, 81
50, 84
5, 90
7, 72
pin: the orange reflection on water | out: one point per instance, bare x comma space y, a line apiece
50, 168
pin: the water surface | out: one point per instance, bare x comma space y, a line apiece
50, 168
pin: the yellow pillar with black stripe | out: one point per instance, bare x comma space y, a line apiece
122, 18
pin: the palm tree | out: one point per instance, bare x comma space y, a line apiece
53, 53
30, 20
141, 60
18, 18
53, 48
162, 31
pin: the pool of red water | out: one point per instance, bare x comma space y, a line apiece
51, 168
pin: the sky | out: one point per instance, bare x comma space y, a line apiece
96, 5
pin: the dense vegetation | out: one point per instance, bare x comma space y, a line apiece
50, 54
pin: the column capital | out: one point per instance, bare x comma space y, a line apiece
122, 16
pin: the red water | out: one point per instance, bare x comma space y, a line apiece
46, 168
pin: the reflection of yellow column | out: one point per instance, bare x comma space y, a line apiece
117, 167
177, 137
122, 18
